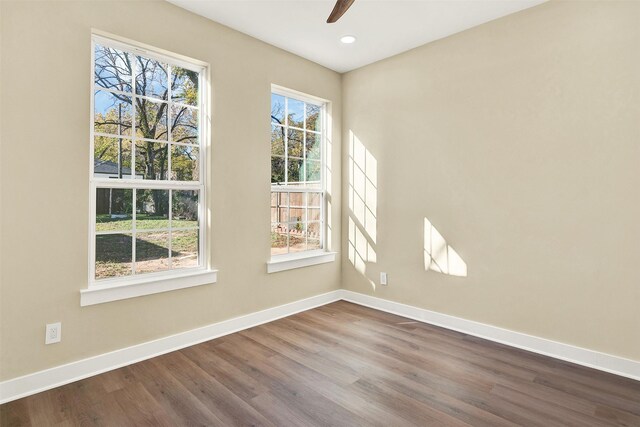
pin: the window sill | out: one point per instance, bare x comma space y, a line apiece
289, 262
145, 286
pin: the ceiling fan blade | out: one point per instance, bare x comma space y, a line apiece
338, 10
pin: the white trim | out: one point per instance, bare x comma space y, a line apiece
147, 97
298, 96
166, 280
302, 259
580, 356
146, 184
143, 230
306, 186
37, 382
145, 285
138, 48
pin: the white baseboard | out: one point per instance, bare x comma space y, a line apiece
581, 356
54, 377
27, 385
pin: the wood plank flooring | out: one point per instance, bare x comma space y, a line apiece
343, 365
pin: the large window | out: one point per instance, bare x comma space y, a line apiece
147, 183
297, 188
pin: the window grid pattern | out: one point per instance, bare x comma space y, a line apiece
297, 194
146, 166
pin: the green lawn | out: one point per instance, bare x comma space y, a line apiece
279, 240
114, 256
104, 222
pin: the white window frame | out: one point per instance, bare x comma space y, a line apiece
306, 258
111, 289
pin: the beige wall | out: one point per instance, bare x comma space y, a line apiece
44, 170
519, 140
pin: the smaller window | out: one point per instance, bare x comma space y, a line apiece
297, 181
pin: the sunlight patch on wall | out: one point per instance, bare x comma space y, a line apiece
440, 256
363, 200
363, 192
360, 248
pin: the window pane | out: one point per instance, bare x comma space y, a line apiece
314, 229
282, 198
152, 209
313, 171
313, 214
114, 209
295, 112
113, 255
315, 199
277, 109
282, 215
112, 113
279, 207
279, 239
313, 243
297, 238
314, 121
184, 248
152, 160
295, 143
277, 170
273, 205
297, 199
152, 252
184, 207
185, 162
312, 146
151, 119
112, 68
313, 236
297, 214
151, 78
111, 157
184, 124
277, 140
184, 85
295, 172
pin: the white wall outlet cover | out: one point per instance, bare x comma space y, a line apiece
53, 333
383, 278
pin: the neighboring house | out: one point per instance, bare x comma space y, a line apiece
107, 200
108, 169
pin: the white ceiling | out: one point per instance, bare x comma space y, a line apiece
383, 27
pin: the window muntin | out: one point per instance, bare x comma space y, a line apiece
297, 189
146, 166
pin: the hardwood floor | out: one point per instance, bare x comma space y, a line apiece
344, 365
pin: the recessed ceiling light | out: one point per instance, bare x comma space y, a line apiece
348, 39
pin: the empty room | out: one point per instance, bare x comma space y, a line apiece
319, 213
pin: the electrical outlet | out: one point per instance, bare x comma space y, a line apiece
383, 279
53, 333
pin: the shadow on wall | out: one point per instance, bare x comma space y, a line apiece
363, 201
439, 256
